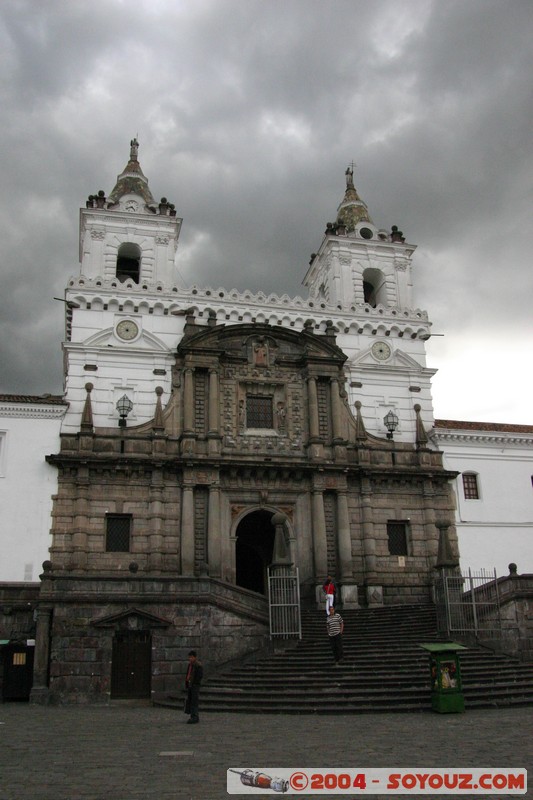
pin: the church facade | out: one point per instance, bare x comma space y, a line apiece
203, 422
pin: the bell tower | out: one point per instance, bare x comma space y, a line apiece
128, 237
120, 325
362, 276
357, 262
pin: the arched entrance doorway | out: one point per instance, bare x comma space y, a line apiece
253, 552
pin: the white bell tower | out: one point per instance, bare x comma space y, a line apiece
124, 307
128, 236
362, 276
359, 263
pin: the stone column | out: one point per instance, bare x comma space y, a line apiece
336, 419
213, 423
79, 533
320, 552
188, 402
431, 537
187, 531
344, 537
313, 409
213, 532
155, 556
188, 435
348, 588
374, 592
40, 692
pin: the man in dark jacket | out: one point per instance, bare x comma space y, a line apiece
193, 680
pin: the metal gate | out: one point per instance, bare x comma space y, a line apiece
131, 666
468, 605
284, 603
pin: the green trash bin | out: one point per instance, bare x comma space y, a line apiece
445, 676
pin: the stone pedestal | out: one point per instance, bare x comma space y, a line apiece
40, 695
320, 598
374, 596
349, 596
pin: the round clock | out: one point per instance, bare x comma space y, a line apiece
381, 351
127, 329
131, 205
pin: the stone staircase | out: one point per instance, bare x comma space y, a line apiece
384, 669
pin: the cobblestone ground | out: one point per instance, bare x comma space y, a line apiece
144, 753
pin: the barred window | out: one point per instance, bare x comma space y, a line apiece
470, 486
118, 533
259, 412
397, 536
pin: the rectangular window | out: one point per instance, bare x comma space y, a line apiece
470, 486
118, 533
397, 536
259, 412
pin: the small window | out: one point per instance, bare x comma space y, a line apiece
397, 536
470, 486
259, 412
118, 533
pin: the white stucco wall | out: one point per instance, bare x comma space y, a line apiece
28, 432
496, 529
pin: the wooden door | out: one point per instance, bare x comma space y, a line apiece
131, 667
18, 672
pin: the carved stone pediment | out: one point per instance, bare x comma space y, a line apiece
132, 619
260, 344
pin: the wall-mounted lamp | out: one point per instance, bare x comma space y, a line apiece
124, 406
390, 420
426, 336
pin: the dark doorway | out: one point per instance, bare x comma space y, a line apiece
131, 668
254, 548
18, 672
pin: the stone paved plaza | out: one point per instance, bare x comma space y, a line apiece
125, 752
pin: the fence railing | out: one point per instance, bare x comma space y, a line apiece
284, 603
468, 604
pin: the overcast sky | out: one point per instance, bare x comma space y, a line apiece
247, 113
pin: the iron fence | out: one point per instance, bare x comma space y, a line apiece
469, 604
284, 603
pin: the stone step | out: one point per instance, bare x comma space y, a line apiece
384, 670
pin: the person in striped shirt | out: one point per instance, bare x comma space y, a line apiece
335, 626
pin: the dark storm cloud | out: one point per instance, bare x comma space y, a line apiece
248, 113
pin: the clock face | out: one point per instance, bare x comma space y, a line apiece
131, 205
127, 329
381, 351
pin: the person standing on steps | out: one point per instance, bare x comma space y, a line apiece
193, 680
329, 588
335, 626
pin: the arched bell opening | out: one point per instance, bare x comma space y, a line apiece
374, 287
129, 262
253, 550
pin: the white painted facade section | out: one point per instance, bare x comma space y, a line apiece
496, 529
28, 433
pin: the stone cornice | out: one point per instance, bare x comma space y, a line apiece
230, 303
32, 410
481, 437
